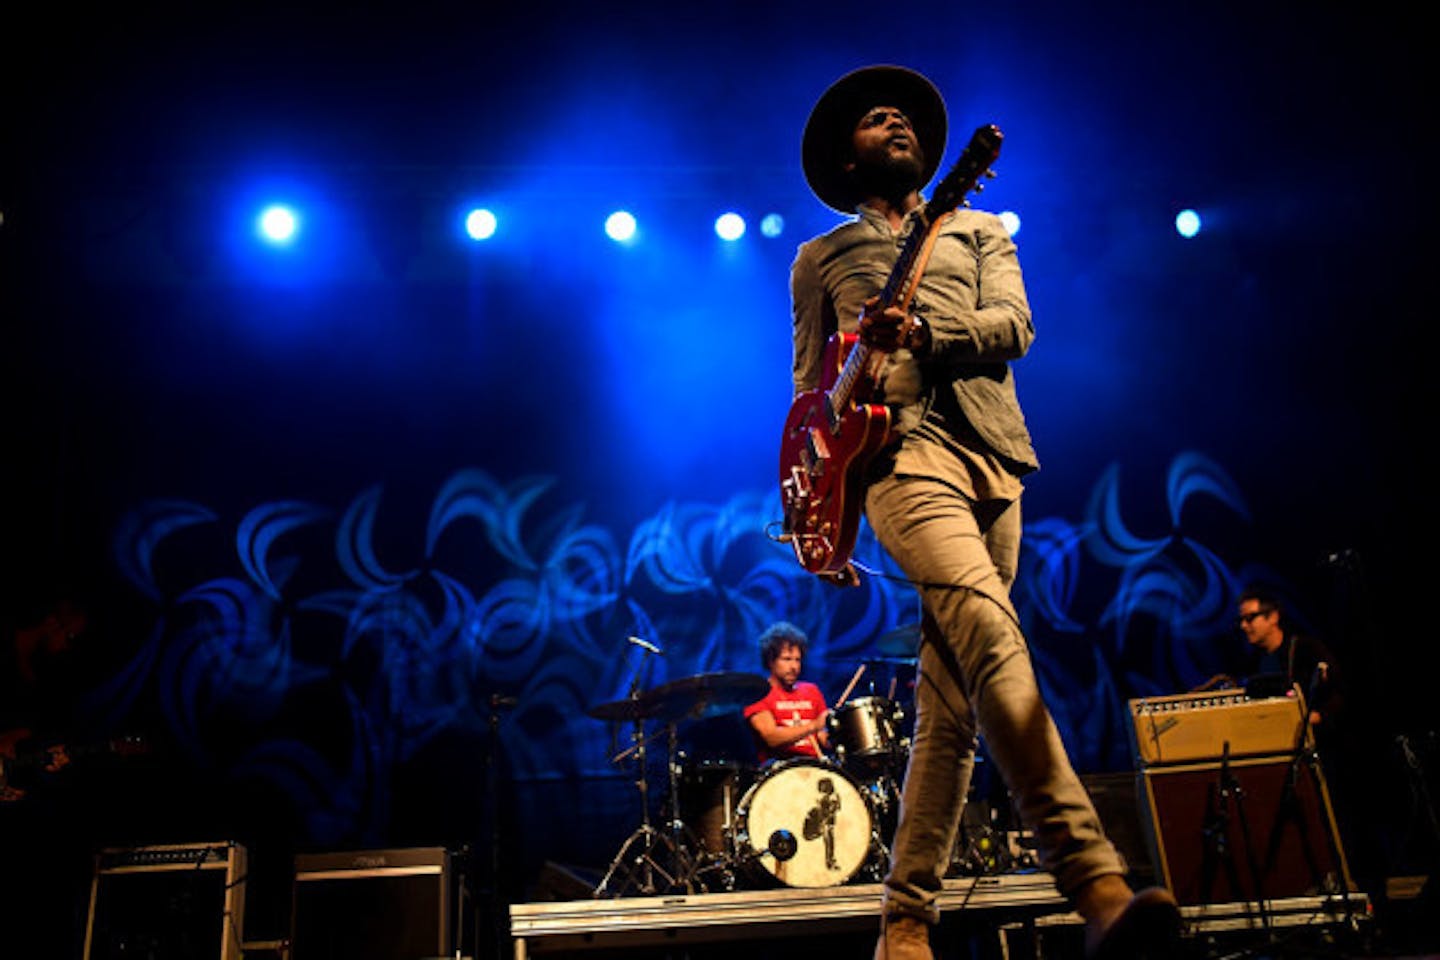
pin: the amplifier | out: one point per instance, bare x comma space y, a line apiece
168, 902
1256, 828
373, 905
1190, 727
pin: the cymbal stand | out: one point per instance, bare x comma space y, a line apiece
636, 869
688, 864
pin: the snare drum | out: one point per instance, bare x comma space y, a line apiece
805, 823
866, 731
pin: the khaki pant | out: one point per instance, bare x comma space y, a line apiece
975, 678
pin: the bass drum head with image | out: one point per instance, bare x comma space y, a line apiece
805, 823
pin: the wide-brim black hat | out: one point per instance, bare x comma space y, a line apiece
826, 145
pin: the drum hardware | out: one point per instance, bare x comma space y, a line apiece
802, 822
651, 860
640, 866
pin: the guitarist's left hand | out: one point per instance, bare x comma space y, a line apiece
888, 328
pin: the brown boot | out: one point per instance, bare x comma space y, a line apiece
1148, 926
903, 937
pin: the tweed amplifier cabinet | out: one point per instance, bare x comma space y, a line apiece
169, 902
1191, 727
374, 905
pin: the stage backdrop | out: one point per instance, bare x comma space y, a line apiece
363, 527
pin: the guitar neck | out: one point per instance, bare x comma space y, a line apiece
857, 369
982, 150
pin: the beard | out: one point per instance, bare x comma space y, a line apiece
888, 175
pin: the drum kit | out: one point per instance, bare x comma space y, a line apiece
728, 825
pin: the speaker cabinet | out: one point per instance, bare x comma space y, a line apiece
1115, 800
373, 905
1256, 828
170, 902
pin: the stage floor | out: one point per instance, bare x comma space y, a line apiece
998, 902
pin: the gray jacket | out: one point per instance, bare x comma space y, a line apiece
971, 295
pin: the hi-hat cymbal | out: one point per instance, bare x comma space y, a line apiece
689, 698
903, 641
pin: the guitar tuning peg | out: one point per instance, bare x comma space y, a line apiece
991, 174
979, 188
965, 204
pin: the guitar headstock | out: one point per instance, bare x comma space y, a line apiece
964, 176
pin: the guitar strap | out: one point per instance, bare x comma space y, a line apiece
922, 259
932, 234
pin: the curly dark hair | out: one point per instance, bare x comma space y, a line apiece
777, 637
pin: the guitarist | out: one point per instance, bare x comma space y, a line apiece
943, 498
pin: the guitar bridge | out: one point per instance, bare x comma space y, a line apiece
796, 493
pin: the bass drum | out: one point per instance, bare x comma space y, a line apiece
804, 823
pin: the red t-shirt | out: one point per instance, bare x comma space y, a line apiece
790, 708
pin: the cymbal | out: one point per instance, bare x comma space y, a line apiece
631, 708
903, 641
707, 694
890, 661
689, 698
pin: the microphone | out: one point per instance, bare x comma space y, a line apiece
646, 645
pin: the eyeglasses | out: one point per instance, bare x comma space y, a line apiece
1245, 618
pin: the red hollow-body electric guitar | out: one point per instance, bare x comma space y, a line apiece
832, 432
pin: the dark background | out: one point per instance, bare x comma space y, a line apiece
322, 506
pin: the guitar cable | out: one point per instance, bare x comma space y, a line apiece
924, 585
786, 537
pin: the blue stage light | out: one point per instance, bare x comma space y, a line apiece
730, 226
480, 224
1011, 220
1187, 223
772, 225
620, 226
278, 224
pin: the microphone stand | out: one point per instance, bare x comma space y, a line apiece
1307, 754
1216, 833
498, 916
1228, 789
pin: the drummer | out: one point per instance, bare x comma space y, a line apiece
790, 720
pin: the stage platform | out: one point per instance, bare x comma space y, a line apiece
1010, 902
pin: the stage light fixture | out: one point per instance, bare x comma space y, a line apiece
772, 225
1187, 223
1011, 220
620, 226
730, 226
278, 224
480, 224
